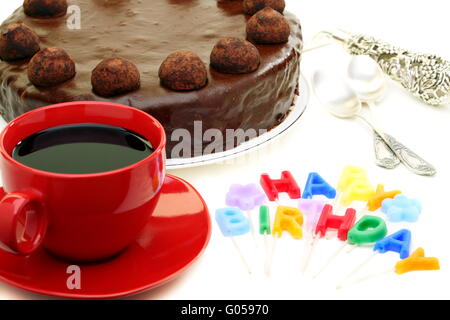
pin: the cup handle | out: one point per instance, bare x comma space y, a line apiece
23, 222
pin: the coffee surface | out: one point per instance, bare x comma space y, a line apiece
81, 149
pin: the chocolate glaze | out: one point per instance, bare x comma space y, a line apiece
146, 32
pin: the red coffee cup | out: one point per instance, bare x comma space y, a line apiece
79, 217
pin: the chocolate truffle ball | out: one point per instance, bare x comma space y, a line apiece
183, 71
50, 67
268, 27
45, 8
115, 76
253, 6
17, 41
232, 55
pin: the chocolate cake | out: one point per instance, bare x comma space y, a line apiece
144, 34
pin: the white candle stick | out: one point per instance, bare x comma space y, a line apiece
266, 242
309, 250
357, 269
351, 249
359, 215
238, 249
272, 256
331, 259
364, 279
267, 254
252, 228
275, 240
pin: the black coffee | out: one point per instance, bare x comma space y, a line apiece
82, 148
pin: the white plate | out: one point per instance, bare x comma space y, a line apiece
254, 144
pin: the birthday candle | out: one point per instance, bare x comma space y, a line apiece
286, 184
233, 223
349, 175
358, 190
416, 262
375, 201
311, 209
246, 198
329, 221
316, 185
273, 188
402, 208
380, 195
287, 219
399, 242
367, 230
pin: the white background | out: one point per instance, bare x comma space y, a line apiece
324, 144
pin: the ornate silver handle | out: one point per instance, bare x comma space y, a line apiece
410, 159
384, 156
426, 76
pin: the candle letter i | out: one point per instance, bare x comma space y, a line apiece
265, 230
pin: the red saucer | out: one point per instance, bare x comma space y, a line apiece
175, 236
